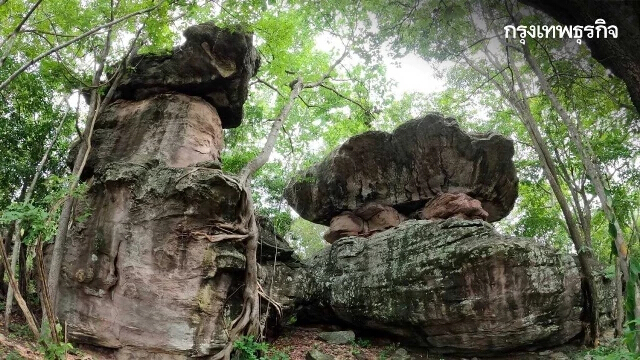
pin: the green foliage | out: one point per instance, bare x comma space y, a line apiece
306, 237
40, 220
21, 331
362, 343
246, 348
387, 351
50, 349
630, 302
13, 355
613, 351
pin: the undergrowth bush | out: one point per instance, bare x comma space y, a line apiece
246, 348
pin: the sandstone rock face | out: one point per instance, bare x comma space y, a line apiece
454, 286
422, 158
449, 205
133, 278
178, 130
137, 277
213, 63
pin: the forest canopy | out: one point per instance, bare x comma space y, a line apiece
323, 78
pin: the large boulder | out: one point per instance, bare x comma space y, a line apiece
213, 63
405, 169
453, 286
135, 279
272, 246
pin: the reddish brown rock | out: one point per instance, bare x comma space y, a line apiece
137, 274
379, 217
177, 130
365, 221
343, 225
448, 205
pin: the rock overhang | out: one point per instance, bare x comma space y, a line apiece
419, 160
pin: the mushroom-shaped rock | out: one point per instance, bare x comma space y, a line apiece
213, 63
405, 169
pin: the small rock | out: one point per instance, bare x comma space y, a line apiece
558, 356
545, 353
400, 354
338, 337
314, 354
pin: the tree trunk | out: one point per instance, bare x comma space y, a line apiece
28, 192
4, 288
10, 40
22, 267
578, 208
23, 305
519, 101
619, 300
586, 156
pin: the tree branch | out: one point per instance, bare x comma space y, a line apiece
72, 41
12, 37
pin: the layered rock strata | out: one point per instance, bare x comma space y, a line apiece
135, 278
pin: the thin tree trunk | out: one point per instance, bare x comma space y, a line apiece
21, 303
619, 300
247, 172
586, 156
28, 193
576, 199
95, 109
4, 288
519, 102
10, 40
249, 321
22, 268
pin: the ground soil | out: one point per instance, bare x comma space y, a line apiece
295, 341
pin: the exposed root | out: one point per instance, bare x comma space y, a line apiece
246, 230
270, 300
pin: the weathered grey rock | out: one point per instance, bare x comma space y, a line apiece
337, 337
134, 277
270, 244
400, 354
315, 354
454, 286
419, 160
178, 130
213, 63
